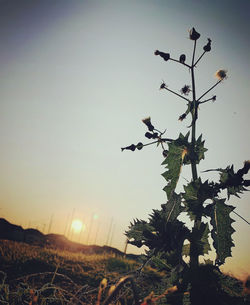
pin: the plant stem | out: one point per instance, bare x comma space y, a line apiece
194, 256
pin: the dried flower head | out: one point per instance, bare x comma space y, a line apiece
147, 122
185, 90
214, 98
247, 166
163, 86
221, 74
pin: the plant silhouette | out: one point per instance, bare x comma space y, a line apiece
167, 238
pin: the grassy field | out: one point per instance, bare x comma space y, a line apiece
35, 275
60, 277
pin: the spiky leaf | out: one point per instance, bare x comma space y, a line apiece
222, 230
174, 160
196, 193
136, 232
169, 211
201, 238
231, 181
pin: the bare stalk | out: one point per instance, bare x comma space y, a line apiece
177, 94
194, 256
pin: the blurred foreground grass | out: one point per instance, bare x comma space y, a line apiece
34, 275
59, 276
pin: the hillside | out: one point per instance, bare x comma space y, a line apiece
34, 237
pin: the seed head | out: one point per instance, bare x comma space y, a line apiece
221, 74
214, 98
185, 90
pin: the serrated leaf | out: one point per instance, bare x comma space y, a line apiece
196, 193
222, 230
174, 160
169, 211
204, 244
200, 149
136, 232
231, 181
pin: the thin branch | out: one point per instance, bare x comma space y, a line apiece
177, 94
210, 99
182, 63
209, 90
159, 140
241, 217
199, 58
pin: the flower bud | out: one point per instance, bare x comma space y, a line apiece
182, 58
148, 135
155, 135
131, 147
165, 153
193, 35
165, 56
139, 146
207, 47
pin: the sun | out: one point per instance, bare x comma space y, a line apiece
77, 225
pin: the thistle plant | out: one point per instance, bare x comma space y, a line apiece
167, 238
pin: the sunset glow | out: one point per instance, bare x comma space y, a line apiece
77, 225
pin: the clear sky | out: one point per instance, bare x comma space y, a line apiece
76, 79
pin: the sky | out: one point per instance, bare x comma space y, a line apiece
76, 79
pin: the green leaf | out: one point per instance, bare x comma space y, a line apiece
204, 245
174, 160
200, 237
136, 232
199, 149
222, 230
196, 193
231, 181
170, 210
